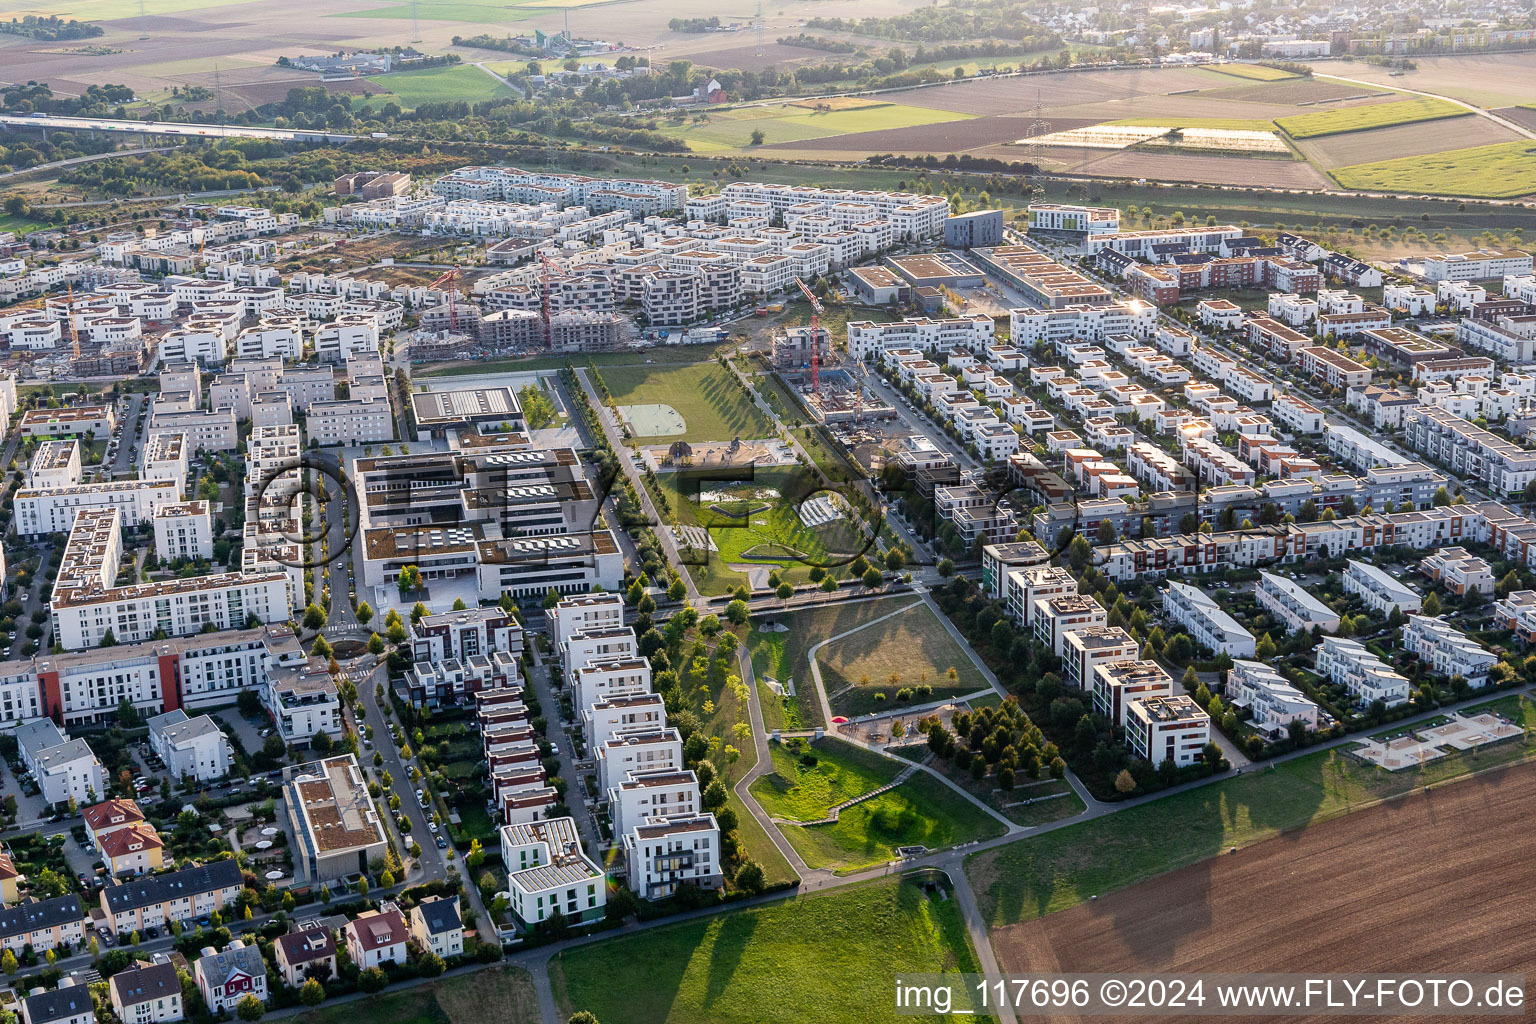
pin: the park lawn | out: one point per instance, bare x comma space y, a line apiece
1224, 124
1046, 873
439, 85
446, 10
827, 957
1501, 170
1375, 115
792, 122
669, 354
786, 656
713, 405
1051, 799
922, 811
458, 999
799, 792
1256, 72
911, 649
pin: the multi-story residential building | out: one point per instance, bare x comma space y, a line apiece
1447, 650
1087, 649
147, 993
612, 677
309, 951
192, 748
1203, 619
183, 530
332, 819
41, 511
665, 852
1116, 684
1469, 451
302, 701
135, 849
52, 923
1271, 701
1290, 603
1054, 617
1073, 221
643, 795
350, 421
68, 1004
1349, 664
377, 937
65, 769
153, 901
1516, 611
228, 977
548, 873
437, 927
1477, 265
1458, 570
1160, 729
1332, 367
1379, 589
108, 816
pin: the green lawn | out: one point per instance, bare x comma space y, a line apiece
920, 812
1501, 170
827, 958
912, 649
1046, 873
732, 129
1255, 72
1374, 115
713, 406
785, 656
460, 999
798, 791
1048, 799
439, 85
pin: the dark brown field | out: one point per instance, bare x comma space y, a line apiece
1436, 882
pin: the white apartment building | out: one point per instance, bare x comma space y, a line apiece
549, 873
202, 346
192, 748
1289, 602
1027, 586
1447, 650
65, 769
184, 530
1115, 685
350, 421
1271, 701
663, 853
1477, 265
1202, 618
602, 680
212, 430
54, 464
1087, 649
644, 795
1160, 729
1349, 664
1055, 617
1379, 589
580, 613
868, 340
631, 752
53, 510
1458, 570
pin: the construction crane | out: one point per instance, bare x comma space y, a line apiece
448, 278
548, 266
816, 312
74, 330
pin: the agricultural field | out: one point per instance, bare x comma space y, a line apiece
438, 85
785, 655
1402, 882
908, 650
1253, 72
1043, 874
1501, 171
465, 13
804, 959
1376, 115
1483, 79
723, 130
1425, 137
714, 407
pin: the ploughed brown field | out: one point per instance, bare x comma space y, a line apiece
1436, 882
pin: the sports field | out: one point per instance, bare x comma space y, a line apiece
804, 959
1499, 171
791, 122
909, 650
1375, 115
713, 406
439, 85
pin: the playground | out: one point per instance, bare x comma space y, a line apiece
1414, 747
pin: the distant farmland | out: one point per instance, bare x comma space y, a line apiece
1376, 115
1500, 171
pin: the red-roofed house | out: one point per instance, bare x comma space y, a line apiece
104, 817
132, 850
10, 880
378, 937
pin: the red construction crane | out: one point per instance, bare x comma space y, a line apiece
548, 266
449, 277
815, 336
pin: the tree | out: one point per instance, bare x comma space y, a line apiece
108, 639
715, 795
749, 877
872, 578
321, 648
1265, 649
582, 1017
946, 567
1432, 605
784, 592
409, 581
1124, 782
8, 963
418, 612
314, 617
757, 137
678, 590
312, 993
250, 1008
364, 612
828, 585
375, 644
371, 980
736, 612
430, 965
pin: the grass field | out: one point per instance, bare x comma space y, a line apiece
798, 791
1255, 72
732, 129
106, 10
455, 1000
469, 13
712, 404
1375, 115
914, 647
922, 811
1048, 799
806, 959
438, 85
1499, 171
1057, 870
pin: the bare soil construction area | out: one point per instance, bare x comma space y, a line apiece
1436, 882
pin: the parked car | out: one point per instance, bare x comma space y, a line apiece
442, 844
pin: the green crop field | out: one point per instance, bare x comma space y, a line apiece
107, 10
1500, 171
805, 959
912, 649
449, 10
1256, 72
1225, 124
732, 129
438, 85
713, 406
1046, 873
1375, 115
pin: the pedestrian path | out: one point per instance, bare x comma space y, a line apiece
840, 808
